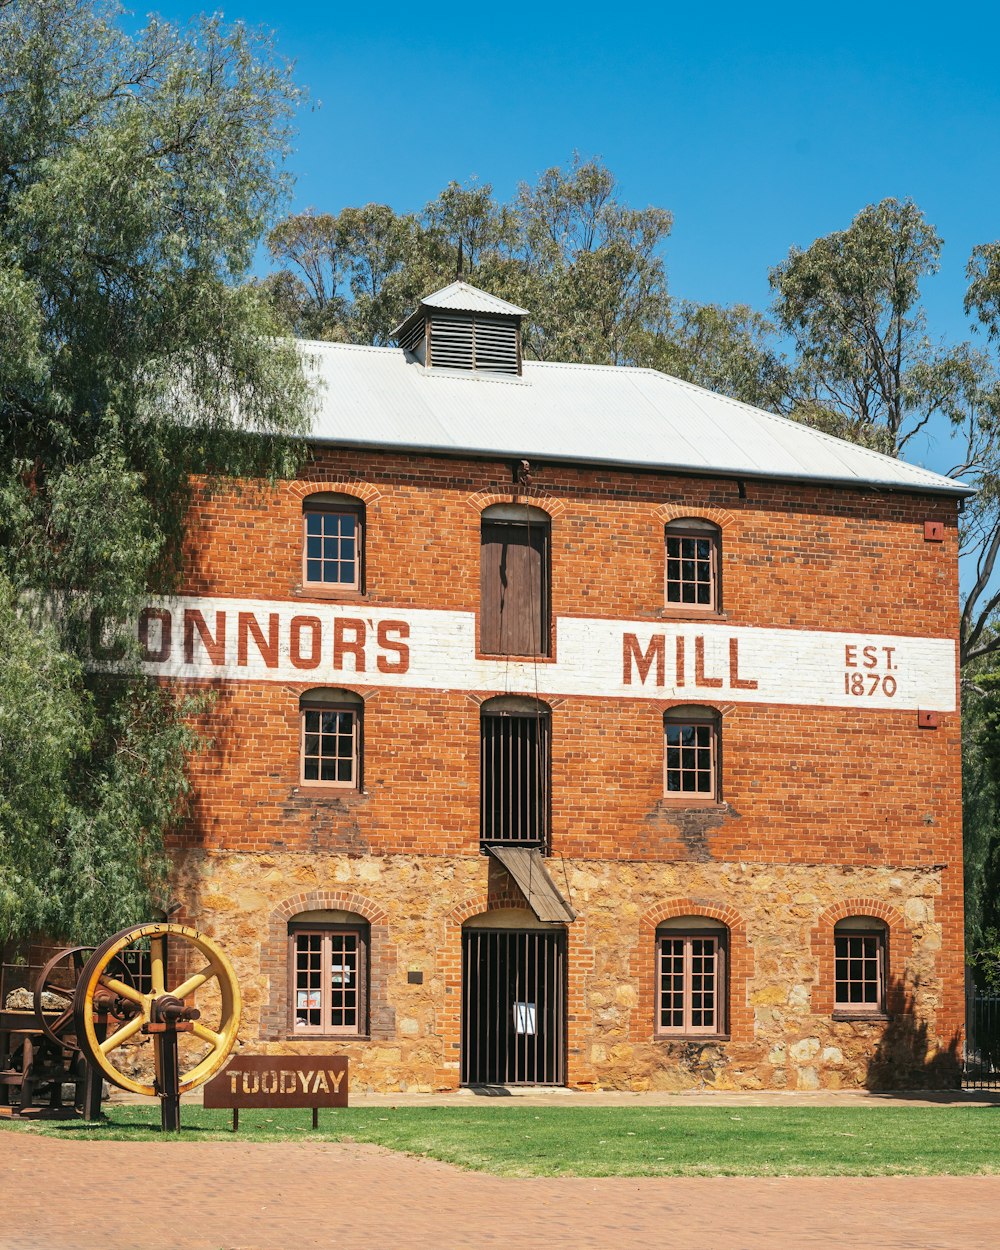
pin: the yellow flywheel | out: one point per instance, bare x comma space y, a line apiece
109, 1011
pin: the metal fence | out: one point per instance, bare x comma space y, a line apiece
981, 1069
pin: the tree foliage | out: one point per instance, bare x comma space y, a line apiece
137, 175
865, 367
589, 266
730, 350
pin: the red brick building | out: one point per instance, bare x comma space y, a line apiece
576, 725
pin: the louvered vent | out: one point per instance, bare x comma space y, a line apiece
496, 345
460, 327
453, 342
468, 341
413, 339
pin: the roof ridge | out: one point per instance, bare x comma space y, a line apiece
330, 344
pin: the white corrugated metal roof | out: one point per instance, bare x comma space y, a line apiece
598, 414
461, 297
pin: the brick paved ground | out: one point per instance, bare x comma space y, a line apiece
60, 1195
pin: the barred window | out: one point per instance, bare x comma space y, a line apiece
330, 738
514, 762
859, 966
332, 541
691, 565
691, 977
328, 975
691, 754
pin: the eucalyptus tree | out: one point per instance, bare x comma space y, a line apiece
866, 367
588, 266
137, 174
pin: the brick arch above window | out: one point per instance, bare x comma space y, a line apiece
876, 908
693, 512
822, 938
367, 492
502, 894
328, 900
678, 704
484, 499
274, 958
671, 908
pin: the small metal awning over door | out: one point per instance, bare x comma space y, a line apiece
527, 866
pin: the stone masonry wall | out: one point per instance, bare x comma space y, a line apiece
782, 1034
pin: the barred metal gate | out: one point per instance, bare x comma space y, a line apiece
981, 1069
513, 1012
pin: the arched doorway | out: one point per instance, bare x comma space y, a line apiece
513, 1000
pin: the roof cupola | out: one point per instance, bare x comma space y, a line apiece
460, 327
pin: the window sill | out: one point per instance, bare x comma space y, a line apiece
693, 804
865, 1017
691, 1037
516, 659
691, 614
486, 844
328, 1037
325, 593
327, 792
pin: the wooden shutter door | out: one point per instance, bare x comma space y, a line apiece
514, 610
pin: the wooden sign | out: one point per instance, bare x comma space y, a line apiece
279, 1081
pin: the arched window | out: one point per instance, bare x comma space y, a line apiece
691, 754
691, 977
860, 957
514, 580
330, 725
333, 541
328, 974
515, 765
692, 561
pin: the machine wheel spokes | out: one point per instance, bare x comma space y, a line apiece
61, 976
49, 982
145, 1012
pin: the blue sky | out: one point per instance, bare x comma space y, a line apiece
758, 126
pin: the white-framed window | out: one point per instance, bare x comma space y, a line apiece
692, 560
328, 978
691, 754
330, 741
860, 955
691, 977
333, 535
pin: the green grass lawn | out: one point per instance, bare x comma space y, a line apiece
614, 1141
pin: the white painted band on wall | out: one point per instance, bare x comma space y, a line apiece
355, 645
